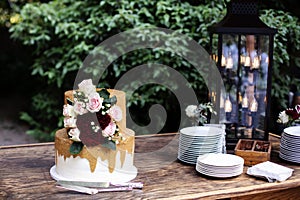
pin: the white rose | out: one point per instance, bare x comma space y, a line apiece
283, 117
70, 122
190, 110
87, 86
68, 111
75, 133
79, 108
95, 102
116, 113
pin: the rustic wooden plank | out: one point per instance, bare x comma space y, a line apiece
24, 174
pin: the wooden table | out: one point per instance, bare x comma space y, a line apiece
24, 174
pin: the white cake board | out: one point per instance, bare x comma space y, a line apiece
118, 177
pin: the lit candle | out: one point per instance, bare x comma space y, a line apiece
247, 61
254, 105
255, 63
221, 102
223, 61
245, 105
228, 105
243, 59
228, 108
253, 109
245, 102
229, 63
267, 59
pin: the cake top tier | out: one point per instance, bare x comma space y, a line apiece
95, 116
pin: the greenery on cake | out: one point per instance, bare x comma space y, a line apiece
91, 118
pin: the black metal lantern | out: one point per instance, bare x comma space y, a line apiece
242, 46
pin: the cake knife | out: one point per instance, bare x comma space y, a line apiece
136, 185
87, 190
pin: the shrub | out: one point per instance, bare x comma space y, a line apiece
63, 32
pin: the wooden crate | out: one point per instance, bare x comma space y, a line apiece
253, 151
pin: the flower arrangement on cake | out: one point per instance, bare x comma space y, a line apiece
91, 118
289, 116
200, 114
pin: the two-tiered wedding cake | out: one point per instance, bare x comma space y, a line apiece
95, 144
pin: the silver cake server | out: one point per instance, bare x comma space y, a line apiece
136, 185
87, 190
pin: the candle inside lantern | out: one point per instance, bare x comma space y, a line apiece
253, 109
245, 102
228, 105
267, 60
254, 105
255, 63
223, 61
247, 61
228, 108
229, 63
243, 59
245, 105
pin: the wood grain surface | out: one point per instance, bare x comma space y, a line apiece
24, 174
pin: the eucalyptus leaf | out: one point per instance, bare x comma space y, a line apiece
109, 144
76, 148
104, 93
112, 100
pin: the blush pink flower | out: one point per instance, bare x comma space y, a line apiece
94, 102
79, 108
109, 130
87, 87
116, 113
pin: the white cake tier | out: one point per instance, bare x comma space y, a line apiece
96, 163
79, 169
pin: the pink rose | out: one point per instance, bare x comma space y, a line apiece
79, 108
70, 122
95, 102
68, 111
87, 87
116, 113
75, 133
109, 130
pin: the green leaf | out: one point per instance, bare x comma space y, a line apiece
76, 148
109, 144
104, 93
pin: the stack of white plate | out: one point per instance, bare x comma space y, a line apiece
220, 165
290, 144
199, 140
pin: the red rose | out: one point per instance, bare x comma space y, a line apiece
103, 120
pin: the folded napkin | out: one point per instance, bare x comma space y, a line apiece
271, 171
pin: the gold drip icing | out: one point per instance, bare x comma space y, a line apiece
63, 143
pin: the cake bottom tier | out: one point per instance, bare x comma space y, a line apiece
94, 164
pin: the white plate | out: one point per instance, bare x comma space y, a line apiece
187, 161
287, 158
201, 131
223, 160
224, 175
292, 131
220, 170
184, 147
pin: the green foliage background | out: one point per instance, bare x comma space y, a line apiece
63, 32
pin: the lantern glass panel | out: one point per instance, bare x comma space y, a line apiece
243, 62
